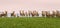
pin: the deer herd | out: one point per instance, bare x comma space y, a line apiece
32, 14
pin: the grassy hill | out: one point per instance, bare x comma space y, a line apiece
30, 22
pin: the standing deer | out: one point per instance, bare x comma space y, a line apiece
26, 14
12, 14
35, 13
48, 13
22, 13
54, 13
51, 14
3, 14
58, 13
44, 13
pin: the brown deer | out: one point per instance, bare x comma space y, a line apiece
35, 13
43, 13
22, 13
26, 14
48, 13
12, 14
58, 13
3, 14
29, 13
54, 13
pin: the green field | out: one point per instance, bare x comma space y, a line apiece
30, 22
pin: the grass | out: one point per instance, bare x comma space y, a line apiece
30, 22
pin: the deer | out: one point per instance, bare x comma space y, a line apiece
35, 13
44, 13
22, 13
3, 14
58, 13
12, 14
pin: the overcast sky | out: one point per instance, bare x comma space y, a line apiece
16, 5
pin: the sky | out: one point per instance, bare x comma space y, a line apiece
16, 5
